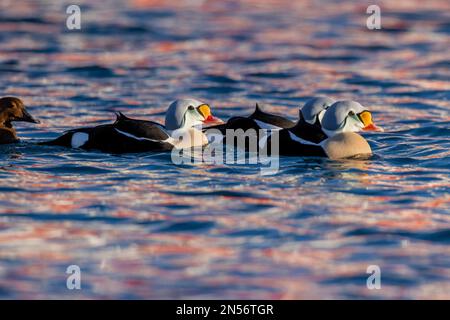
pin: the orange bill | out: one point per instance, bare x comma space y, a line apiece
366, 119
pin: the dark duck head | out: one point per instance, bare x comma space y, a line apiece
12, 109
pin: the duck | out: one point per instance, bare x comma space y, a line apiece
12, 109
259, 119
308, 125
312, 112
334, 135
182, 129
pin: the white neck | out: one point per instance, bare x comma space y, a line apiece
350, 126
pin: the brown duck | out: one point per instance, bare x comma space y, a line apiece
12, 109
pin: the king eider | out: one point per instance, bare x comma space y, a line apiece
259, 119
335, 137
128, 135
308, 124
12, 109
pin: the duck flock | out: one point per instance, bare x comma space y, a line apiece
325, 128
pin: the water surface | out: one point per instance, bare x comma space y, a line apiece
141, 227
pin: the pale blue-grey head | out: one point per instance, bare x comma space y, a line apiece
314, 109
186, 113
347, 116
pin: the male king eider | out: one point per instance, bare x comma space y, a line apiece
335, 138
12, 109
312, 112
259, 119
309, 121
127, 135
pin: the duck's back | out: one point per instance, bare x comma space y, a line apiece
124, 136
141, 128
271, 119
257, 120
292, 145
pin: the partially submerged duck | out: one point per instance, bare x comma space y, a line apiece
128, 135
259, 119
12, 110
311, 113
335, 137
309, 120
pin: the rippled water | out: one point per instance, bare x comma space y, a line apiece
141, 227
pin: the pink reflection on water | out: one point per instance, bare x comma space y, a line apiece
287, 236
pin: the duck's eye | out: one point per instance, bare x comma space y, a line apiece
351, 114
191, 108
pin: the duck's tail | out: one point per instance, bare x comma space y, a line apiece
65, 141
258, 110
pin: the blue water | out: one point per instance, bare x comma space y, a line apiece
140, 226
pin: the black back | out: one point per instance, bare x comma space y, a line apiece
141, 128
249, 122
307, 131
135, 136
272, 119
289, 147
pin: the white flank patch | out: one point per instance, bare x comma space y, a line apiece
79, 139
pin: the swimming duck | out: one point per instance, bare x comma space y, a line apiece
308, 126
12, 109
259, 119
128, 135
312, 112
336, 136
